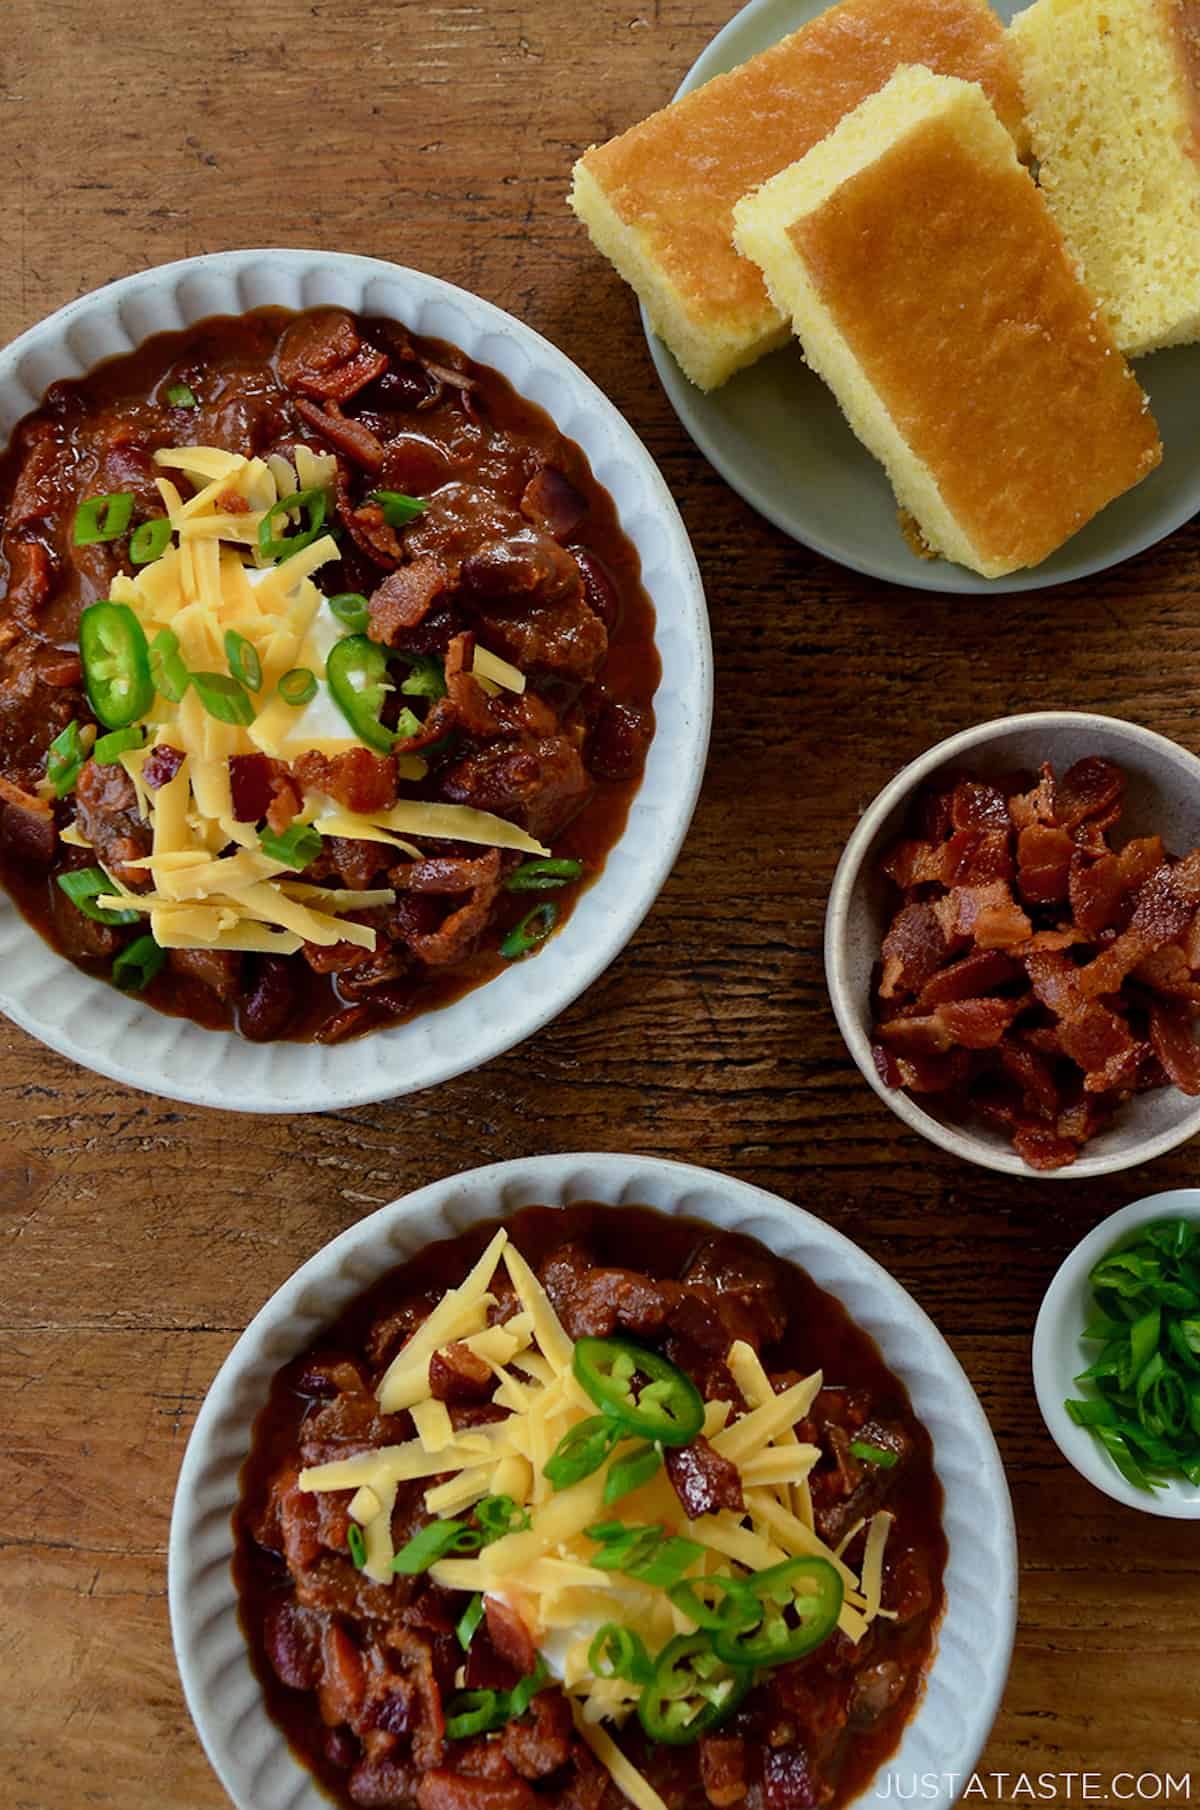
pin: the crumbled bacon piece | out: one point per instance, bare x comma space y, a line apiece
358, 779
161, 765
1032, 972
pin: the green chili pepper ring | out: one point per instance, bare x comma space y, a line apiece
116, 664
668, 1407
692, 1690
790, 1622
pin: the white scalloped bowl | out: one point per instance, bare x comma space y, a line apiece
946, 1734
122, 1037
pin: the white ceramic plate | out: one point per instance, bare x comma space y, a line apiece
1059, 1355
1163, 796
775, 433
126, 1039
963, 1690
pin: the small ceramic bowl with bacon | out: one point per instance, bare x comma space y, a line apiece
1012, 944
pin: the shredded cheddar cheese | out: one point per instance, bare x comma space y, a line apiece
213, 886
542, 1570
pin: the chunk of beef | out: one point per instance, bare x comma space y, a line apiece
40, 481
218, 969
593, 1302
541, 785
30, 578
704, 1481
26, 825
539, 1743
383, 1783
450, 1791
79, 936
106, 809
322, 355
737, 1276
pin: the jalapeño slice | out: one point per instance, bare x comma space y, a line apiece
691, 1691
356, 671
667, 1405
116, 664
798, 1605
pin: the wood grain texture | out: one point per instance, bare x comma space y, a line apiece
138, 1236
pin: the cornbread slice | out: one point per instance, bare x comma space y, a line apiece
932, 290
1113, 91
658, 201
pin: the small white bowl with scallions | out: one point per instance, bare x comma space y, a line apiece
1115, 1443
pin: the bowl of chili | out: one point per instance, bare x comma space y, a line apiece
241, 1719
538, 953
1116, 1356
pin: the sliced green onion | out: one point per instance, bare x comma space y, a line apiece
533, 929
398, 509
645, 1553
111, 747
298, 846
137, 965
299, 686
83, 885
432, 1543
1145, 1411
181, 396
582, 1449
526, 1689
630, 1472
65, 758
149, 540
309, 502
357, 1545
350, 607
171, 677
873, 1454
470, 1619
499, 1515
543, 874
103, 518
406, 724
475, 1713
427, 677
243, 659
224, 698
618, 1652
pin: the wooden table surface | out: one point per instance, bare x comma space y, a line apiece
139, 1236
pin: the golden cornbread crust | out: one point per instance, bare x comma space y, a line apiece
933, 289
1112, 89
659, 199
